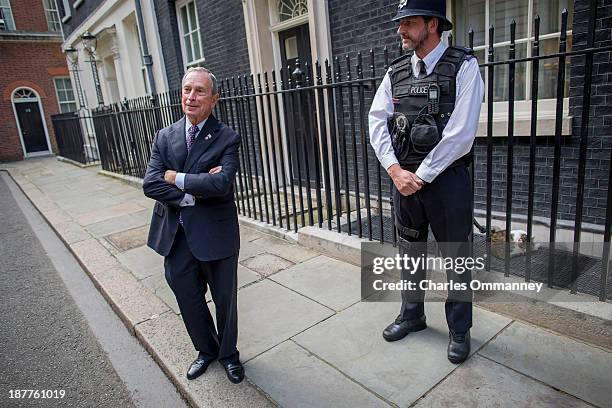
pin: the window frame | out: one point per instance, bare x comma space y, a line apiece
183, 34
546, 106
60, 103
52, 10
67, 11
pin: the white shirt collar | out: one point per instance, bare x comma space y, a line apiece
188, 124
430, 59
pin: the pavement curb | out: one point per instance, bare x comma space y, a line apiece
129, 322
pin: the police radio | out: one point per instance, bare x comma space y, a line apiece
433, 99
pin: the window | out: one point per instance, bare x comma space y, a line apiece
65, 95
288, 9
6, 15
53, 21
190, 34
64, 10
480, 14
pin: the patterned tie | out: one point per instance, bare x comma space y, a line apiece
421, 68
191, 137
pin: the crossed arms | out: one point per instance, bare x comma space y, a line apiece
159, 180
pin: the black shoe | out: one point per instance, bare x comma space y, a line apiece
234, 371
400, 328
458, 347
198, 367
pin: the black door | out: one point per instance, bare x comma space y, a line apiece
32, 128
300, 106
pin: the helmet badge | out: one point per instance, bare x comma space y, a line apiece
402, 4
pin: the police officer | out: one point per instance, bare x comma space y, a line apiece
422, 122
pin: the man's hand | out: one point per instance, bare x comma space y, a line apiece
215, 170
170, 176
406, 182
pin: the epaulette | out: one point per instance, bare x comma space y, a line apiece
463, 50
401, 60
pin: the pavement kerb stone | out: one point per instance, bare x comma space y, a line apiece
269, 229
75, 163
131, 180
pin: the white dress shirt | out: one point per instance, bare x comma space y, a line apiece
459, 132
189, 199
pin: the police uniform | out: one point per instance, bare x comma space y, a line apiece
424, 117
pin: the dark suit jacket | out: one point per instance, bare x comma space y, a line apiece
211, 226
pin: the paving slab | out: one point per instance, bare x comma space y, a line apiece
294, 377
166, 339
157, 284
71, 232
108, 213
248, 249
269, 314
248, 234
142, 262
87, 202
246, 276
401, 371
566, 364
129, 239
132, 301
94, 256
56, 216
480, 382
342, 286
266, 264
285, 249
120, 223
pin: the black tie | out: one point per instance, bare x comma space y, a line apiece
421, 67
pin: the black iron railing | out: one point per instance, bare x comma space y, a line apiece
75, 136
306, 158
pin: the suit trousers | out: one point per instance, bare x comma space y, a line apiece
188, 278
445, 205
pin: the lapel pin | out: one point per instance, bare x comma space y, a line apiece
208, 136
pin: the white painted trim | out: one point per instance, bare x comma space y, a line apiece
42, 116
296, 21
158, 45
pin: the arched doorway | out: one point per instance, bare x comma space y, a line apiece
30, 122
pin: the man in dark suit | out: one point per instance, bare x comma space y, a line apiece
195, 223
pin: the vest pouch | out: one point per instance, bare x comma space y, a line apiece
424, 135
399, 129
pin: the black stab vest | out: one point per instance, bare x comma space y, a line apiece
410, 97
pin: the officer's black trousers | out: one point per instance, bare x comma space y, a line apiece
446, 206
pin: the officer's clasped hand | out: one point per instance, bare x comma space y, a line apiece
406, 182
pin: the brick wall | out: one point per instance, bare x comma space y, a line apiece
29, 15
27, 64
223, 37
171, 46
222, 34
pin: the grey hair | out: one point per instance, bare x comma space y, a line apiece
212, 77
